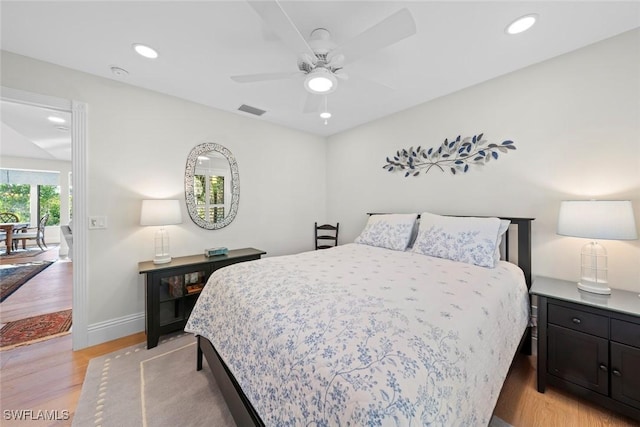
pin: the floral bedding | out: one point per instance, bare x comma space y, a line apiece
359, 335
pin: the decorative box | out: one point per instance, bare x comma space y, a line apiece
215, 251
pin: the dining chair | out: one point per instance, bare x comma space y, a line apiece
37, 234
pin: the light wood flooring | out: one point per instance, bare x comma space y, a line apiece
49, 376
49, 291
521, 405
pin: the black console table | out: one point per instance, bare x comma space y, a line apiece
173, 288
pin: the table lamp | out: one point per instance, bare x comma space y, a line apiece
597, 220
161, 213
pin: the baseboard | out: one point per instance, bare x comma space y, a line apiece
115, 328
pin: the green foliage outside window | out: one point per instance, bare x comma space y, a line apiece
15, 199
50, 202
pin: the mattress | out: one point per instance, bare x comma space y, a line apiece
360, 335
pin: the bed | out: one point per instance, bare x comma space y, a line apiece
363, 334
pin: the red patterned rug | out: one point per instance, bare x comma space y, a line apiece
34, 329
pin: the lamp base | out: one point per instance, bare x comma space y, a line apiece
595, 288
162, 247
161, 259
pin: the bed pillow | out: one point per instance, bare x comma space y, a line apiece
464, 239
391, 231
504, 226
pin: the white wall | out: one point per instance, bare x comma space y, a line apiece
138, 146
576, 123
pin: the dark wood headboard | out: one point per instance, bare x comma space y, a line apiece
523, 239
524, 245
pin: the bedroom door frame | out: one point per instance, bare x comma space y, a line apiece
79, 130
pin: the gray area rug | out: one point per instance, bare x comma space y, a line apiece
156, 388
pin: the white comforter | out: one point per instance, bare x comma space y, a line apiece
357, 335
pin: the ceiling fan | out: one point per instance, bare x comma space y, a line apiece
320, 60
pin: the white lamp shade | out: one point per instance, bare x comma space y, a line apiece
160, 212
597, 219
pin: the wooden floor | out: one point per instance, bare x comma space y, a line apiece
49, 376
49, 291
521, 405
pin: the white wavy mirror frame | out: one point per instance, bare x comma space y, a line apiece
212, 186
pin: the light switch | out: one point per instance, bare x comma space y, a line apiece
97, 222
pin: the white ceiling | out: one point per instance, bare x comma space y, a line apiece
27, 132
203, 43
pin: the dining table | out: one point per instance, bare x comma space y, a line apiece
10, 228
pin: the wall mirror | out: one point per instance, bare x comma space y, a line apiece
212, 186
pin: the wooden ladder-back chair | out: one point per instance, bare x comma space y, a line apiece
37, 234
326, 235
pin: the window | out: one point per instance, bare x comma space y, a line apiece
49, 202
30, 194
16, 198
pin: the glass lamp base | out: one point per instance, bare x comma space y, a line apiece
162, 247
594, 287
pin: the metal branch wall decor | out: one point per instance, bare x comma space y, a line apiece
456, 155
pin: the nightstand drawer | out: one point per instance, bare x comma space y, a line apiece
625, 332
579, 320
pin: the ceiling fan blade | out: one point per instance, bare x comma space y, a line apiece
251, 78
279, 22
336, 61
312, 103
391, 30
341, 74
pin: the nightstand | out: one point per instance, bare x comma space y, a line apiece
589, 344
172, 289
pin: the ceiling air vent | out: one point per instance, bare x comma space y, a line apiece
251, 110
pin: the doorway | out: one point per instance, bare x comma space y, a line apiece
77, 128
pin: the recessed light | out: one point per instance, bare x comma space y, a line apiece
56, 119
522, 24
146, 51
325, 115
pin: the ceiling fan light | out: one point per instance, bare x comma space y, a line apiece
319, 84
320, 81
